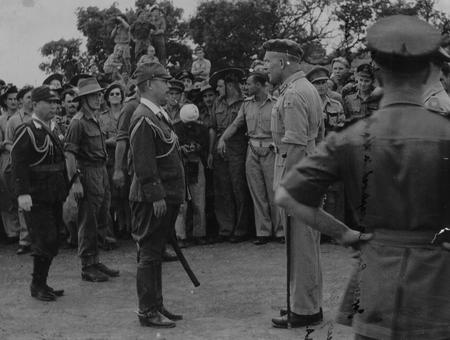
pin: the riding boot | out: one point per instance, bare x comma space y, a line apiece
38, 284
147, 287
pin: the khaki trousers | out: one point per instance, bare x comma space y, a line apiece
306, 270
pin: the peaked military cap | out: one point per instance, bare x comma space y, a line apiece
149, 71
318, 73
403, 36
176, 85
44, 93
233, 73
365, 70
283, 46
206, 88
185, 74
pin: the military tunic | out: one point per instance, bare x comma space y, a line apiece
39, 170
157, 174
395, 167
296, 118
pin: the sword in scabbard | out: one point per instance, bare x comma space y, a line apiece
183, 261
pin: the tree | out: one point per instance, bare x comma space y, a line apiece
62, 56
233, 31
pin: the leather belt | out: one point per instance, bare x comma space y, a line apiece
54, 167
260, 143
403, 238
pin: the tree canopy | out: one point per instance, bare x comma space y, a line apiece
232, 32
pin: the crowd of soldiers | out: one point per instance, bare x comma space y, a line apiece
194, 155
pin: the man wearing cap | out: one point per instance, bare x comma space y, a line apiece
86, 155
358, 105
395, 167
54, 81
156, 192
201, 66
255, 113
193, 140
173, 106
296, 118
188, 79
41, 185
208, 95
230, 185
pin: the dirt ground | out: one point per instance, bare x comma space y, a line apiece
242, 288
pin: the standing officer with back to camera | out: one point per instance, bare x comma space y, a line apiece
395, 168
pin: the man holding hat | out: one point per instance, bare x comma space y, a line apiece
86, 155
357, 105
156, 192
41, 184
230, 185
395, 167
201, 66
173, 106
296, 118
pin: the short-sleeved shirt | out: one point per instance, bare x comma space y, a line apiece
16, 119
205, 116
297, 114
356, 107
85, 139
256, 117
122, 35
4, 118
222, 115
160, 24
201, 67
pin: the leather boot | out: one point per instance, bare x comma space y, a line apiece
92, 274
162, 309
147, 287
38, 288
56, 292
155, 319
106, 270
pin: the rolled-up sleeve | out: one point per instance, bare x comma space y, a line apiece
295, 119
309, 180
73, 138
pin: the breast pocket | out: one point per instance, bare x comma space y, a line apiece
93, 140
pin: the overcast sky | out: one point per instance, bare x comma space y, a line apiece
26, 25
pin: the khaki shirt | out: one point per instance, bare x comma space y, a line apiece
256, 116
85, 139
297, 114
356, 107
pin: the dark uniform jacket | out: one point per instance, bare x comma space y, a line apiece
156, 161
38, 163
